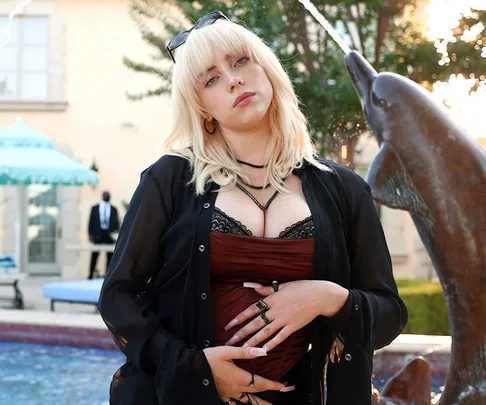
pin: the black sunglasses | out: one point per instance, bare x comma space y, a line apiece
181, 38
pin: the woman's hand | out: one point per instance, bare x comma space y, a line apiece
232, 382
291, 308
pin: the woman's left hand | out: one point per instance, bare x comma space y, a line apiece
292, 307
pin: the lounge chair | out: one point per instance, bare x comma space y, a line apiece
74, 292
10, 276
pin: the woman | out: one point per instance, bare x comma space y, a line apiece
241, 248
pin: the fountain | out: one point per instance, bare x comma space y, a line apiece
428, 166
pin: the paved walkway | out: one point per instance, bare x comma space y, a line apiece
38, 311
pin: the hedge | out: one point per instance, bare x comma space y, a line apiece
427, 310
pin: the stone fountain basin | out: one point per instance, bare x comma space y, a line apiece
88, 329
435, 349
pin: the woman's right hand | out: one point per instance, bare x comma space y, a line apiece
231, 381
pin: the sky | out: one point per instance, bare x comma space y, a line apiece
443, 15
467, 109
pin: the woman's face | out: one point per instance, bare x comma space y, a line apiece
236, 92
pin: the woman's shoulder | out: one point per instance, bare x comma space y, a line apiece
346, 187
352, 182
169, 167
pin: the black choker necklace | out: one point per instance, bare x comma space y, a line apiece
255, 187
242, 162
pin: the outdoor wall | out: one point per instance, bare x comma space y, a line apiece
90, 119
8, 211
3, 223
98, 123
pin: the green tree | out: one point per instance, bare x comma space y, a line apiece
467, 54
464, 54
379, 29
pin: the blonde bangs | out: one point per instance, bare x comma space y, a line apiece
210, 155
196, 56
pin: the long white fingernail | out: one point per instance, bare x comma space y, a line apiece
258, 352
233, 340
287, 389
252, 285
234, 322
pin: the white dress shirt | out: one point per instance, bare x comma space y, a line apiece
105, 212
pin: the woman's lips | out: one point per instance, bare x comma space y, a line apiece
244, 99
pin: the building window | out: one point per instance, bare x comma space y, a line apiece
24, 60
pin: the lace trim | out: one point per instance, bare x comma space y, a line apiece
224, 223
300, 230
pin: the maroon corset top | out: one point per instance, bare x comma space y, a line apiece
237, 257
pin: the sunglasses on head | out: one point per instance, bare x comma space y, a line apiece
181, 38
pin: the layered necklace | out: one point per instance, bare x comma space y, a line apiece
242, 162
264, 208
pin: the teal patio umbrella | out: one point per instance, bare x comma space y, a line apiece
29, 157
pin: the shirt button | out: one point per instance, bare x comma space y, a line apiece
202, 248
205, 382
204, 296
356, 307
207, 343
347, 357
207, 205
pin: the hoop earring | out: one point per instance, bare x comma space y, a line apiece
206, 128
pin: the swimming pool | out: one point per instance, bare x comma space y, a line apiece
32, 374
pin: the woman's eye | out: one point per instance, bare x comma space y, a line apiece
241, 61
211, 81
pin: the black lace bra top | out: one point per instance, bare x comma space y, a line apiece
223, 223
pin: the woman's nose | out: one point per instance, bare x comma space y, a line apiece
236, 81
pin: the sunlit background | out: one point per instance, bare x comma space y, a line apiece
466, 107
442, 16
64, 76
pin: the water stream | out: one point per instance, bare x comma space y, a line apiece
326, 25
5, 31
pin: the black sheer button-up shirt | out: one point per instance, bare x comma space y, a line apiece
156, 297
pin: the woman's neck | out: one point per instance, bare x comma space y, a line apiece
249, 146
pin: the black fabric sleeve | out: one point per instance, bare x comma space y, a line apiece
116, 221
91, 224
139, 331
373, 312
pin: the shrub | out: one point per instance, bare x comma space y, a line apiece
426, 304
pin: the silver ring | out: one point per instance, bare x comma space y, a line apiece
264, 317
262, 305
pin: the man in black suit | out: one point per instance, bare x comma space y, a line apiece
102, 222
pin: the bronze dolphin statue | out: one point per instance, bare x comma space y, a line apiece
429, 166
410, 386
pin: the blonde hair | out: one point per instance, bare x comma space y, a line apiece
210, 156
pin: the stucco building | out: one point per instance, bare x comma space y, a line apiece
62, 73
